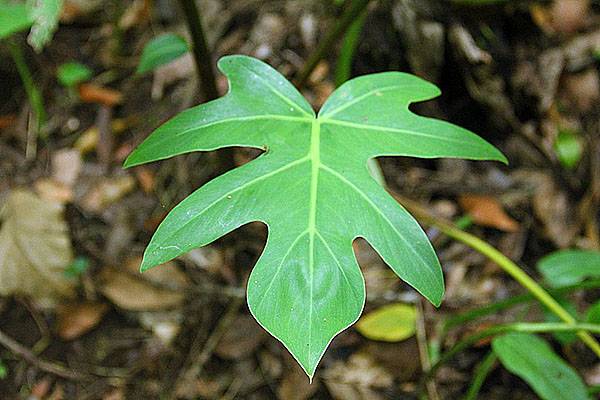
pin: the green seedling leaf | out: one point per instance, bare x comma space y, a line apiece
162, 50
391, 323
45, 15
73, 73
13, 18
533, 360
568, 267
568, 148
312, 189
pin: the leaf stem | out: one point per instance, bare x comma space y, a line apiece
470, 315
505, 263
481, 372
202, 55
349, 15
33, 94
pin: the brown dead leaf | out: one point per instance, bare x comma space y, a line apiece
295, 386
241, 339
487, 211
75, 320
145, 177
582, 90
35, 248
90, 93
108, 191
552, 207
562, 16
7, 121
163, 287
66, 166
357, 379
51, 190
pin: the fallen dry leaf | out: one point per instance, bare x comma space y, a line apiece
295, 386
51, 190
241, 339
160, 288
35, 248
105, 193
357, 378
90, 93
487, 211
582, 89
75, 320
66, 166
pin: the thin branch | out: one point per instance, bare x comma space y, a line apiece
21, 351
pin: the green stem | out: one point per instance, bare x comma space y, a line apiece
505, 263
33, 94
511, 302
348, 17
202, 55
514, 327
481, 373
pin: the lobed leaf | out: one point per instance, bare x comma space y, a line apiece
312, 189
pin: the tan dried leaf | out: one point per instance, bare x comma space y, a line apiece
487, 211
158, 289
35, 248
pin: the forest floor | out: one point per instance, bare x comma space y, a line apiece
522, 74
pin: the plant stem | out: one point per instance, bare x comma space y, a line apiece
202, 55
514, 327
470, 315
505, 263
33, 94
349, 15
483, 370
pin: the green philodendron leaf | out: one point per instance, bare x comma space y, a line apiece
532, 359
161, 50
568, 148
569, 267
312, 189
13, 18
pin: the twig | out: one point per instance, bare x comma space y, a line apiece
202, 55
21, 351
348, 17
421, 334
197, 363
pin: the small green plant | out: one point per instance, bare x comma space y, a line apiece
72, 73
518, 347
42, 17
313, 190
160, 51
